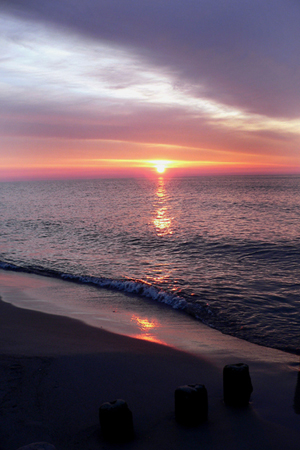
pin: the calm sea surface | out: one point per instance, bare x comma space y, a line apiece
225, 250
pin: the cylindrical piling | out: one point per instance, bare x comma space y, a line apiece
116, 421
191, 404
237, 386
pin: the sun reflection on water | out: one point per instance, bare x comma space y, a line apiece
162, 220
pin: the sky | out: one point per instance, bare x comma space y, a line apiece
100, 88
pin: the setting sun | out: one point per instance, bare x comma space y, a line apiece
160, 166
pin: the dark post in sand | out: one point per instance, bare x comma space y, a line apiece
116, 421
191, 404
237, 386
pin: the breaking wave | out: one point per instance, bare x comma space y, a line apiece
129, 286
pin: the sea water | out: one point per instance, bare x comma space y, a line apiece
223, 250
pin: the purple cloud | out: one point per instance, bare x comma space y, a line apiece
244, 54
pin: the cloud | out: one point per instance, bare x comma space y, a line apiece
193, 78
60, 72
242, 54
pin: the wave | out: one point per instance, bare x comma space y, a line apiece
199, 309
129, 286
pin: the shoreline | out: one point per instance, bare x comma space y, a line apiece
162, 324
56, 371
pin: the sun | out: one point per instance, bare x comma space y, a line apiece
160, 165
160, 168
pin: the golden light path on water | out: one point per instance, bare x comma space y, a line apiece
162, 220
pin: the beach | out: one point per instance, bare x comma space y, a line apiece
149, 226
56, 372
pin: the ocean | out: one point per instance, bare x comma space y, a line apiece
222, 250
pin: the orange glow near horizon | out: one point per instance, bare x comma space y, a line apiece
77, 160
55, 158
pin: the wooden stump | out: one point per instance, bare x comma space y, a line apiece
116, 421
191, 404
237, 386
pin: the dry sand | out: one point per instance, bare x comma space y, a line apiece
55, 372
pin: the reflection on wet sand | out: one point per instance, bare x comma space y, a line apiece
145, 326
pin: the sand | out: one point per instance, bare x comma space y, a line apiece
55, 372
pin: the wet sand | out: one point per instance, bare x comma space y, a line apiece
55, 372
